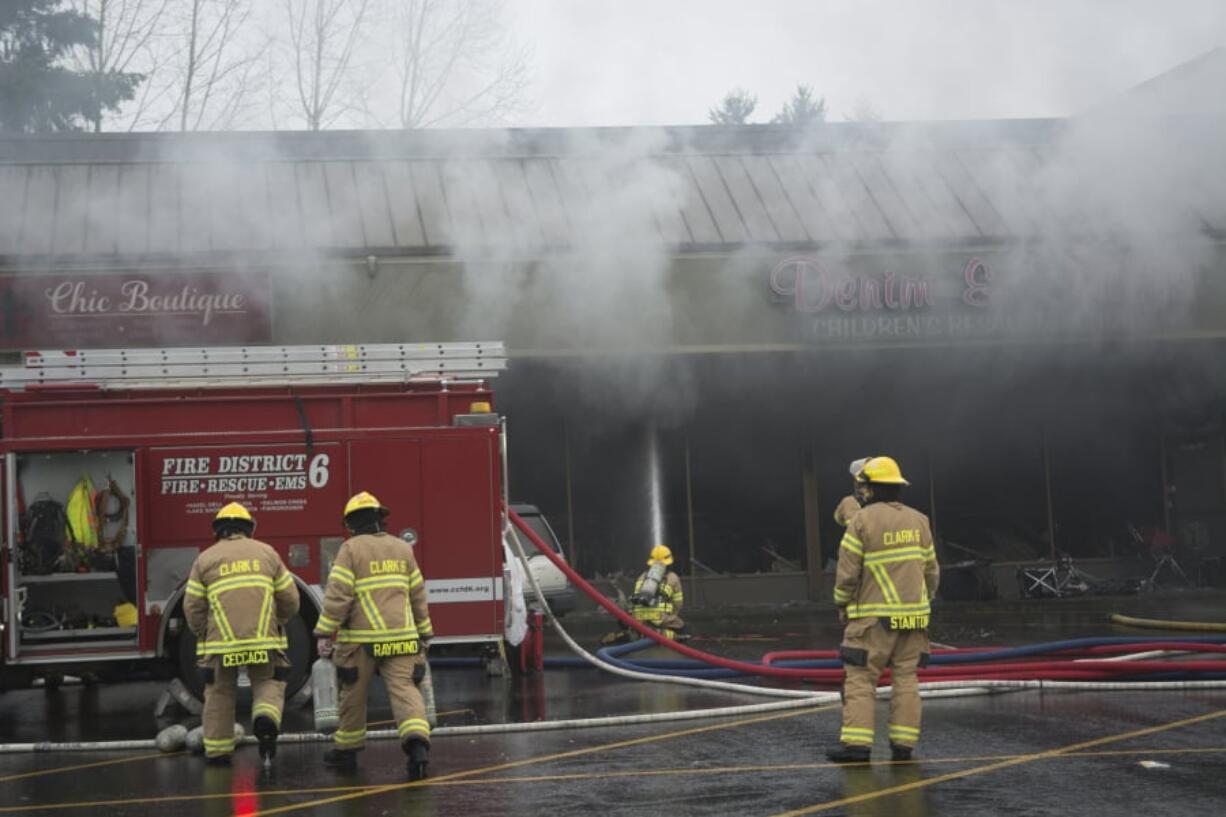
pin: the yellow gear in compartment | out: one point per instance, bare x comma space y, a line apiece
82, 519
125, 614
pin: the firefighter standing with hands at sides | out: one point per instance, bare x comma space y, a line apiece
854, 501
886, 576
237, 600
375, 611
657, 596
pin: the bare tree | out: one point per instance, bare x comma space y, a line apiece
214, 59
456, 63
128, 31
323, 35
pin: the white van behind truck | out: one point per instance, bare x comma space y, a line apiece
552, 581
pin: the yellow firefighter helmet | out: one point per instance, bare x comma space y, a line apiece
363, 501
234, 510
661, 553
882, 471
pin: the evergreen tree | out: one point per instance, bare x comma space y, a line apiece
736, 108
802, 109
38, 92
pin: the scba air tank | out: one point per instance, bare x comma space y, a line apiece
651, 583
426, 688
324, 696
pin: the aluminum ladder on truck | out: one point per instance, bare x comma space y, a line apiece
204, 367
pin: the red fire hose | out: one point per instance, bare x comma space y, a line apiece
625, 618
1064, 668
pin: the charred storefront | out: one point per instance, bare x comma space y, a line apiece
706, 325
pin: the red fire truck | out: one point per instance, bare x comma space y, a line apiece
116, 460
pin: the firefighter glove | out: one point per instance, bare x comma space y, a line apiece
842, 615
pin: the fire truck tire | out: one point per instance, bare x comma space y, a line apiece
300, 654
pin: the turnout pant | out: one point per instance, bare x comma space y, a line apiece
355, 669
867, 649
267, 699
668, 624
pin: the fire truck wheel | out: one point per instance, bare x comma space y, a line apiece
300, 654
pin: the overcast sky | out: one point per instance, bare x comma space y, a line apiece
633, 62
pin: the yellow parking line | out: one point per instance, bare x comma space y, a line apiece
351, 792
788, 767
515, 764
1004, 764
80, 766
628, 773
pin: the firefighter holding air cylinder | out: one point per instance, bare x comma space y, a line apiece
237, 600
657, 596
375, 611
887, 575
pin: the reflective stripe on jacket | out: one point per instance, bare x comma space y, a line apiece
668, 601
375, 593
887, 564
238, 597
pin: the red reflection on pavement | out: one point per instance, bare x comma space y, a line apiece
245, 798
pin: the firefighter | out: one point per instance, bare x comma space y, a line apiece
237, 601
658, 596
886, 576
854, 501
375, 619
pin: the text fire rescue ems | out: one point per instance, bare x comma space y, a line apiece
243, 473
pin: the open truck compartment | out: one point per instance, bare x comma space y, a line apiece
74, 574
116, 462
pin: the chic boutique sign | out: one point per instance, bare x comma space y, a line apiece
145, 309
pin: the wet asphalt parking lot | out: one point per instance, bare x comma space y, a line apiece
1019, 753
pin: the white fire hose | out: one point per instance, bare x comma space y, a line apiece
798, 699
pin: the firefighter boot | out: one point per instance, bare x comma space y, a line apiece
900, 752
849, 753
418, 751
343, 760
266, 733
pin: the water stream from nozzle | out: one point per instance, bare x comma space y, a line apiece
654, 497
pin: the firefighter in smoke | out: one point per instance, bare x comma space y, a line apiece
657, 596
854, 501
238, 599
375, 611
886, 577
